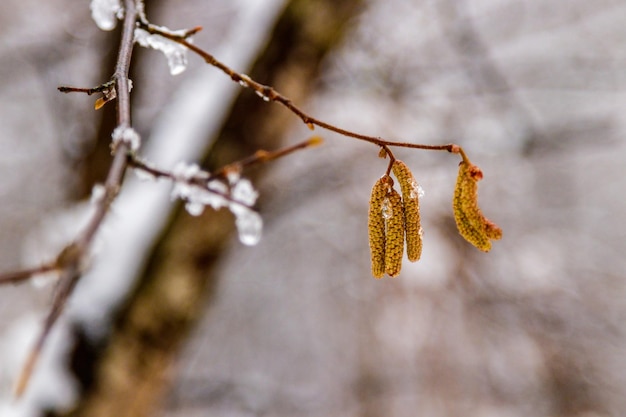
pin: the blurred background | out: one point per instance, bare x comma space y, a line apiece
296, 326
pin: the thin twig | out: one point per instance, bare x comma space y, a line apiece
89, 91
270, 94
25, 274
262, 156
205, 178
201, 181
118, 167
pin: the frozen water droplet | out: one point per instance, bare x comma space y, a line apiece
416, 190
218, 186
245, 80
194, 208
243, 192
387, 210
44, 280
233, 176
106, 12
177, 60
175, 53
420, 191
262, 95
184, 171
97, 193
249, 224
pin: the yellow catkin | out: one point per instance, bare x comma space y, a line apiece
376, 226
393, 212
410, 201
470, 221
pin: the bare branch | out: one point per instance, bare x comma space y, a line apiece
71, 259
268, 93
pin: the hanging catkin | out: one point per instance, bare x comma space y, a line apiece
393, 212
472, 224
376, 226
410, 200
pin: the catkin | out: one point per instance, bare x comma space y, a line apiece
394, 247
410, 201
472, 224
376, 226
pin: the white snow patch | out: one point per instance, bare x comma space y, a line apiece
127, 135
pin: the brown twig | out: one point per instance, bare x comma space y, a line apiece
70, 260
201, 181
269, 94
25, 274
262, 156
89, 91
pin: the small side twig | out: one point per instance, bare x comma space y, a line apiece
26, 274
89, 91
260, 156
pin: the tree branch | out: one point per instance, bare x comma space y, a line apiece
71, 260
268, 93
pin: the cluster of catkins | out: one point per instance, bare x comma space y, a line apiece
394, 220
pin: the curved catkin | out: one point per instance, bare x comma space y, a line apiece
472, 224
394, 248
376, 226
410, 201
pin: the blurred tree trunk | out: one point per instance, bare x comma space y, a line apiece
127, 376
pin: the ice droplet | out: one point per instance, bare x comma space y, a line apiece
245, 80
194, 208
262, 95
249, 224
44, 280
106, 12
97, 193
244, 192
184, 171
416, 190
175, 53
233, 176
387, 210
